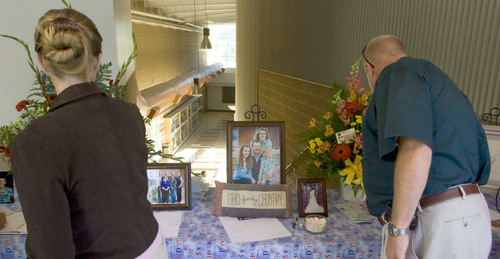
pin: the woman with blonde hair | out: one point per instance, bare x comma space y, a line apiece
243, 168
80, 169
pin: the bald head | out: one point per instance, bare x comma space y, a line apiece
384, 50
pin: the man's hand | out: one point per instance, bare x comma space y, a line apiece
396, 246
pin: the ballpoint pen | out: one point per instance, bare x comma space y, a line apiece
294, 225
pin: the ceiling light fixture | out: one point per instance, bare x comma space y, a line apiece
205, 43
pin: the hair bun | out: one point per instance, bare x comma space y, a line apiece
68, 42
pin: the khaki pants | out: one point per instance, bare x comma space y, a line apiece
456, 228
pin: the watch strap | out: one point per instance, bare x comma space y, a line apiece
394, 231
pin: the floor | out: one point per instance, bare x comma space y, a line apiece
205, 149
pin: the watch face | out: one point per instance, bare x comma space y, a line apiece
390, 229
393, 231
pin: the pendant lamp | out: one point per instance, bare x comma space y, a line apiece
205, 43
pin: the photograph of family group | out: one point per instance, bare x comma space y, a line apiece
169, 185
255, 153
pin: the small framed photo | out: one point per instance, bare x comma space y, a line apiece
311, 195
169, 186
6, 187
256, 152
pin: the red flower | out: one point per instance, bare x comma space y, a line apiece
351, 108
6, 151
49, 99
111, 82
341, 152
20, 105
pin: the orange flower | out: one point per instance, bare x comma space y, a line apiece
341, 152
6, 151
328, 115
312, 123
351, 108
328, 131
20, 105
318, 163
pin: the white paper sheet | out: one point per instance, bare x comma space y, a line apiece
494, 215
251, 230
15, 222
354, 211
170, 222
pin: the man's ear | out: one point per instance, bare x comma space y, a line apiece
40, 60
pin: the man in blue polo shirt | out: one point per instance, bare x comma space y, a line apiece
426, 152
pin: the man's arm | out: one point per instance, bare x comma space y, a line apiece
410, 177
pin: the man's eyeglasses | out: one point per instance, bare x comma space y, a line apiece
363, 53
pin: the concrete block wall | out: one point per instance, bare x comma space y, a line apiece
165, 53
294, 101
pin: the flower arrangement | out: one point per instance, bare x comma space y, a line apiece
42, 95
335, 139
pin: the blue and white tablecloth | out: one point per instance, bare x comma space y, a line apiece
202, 235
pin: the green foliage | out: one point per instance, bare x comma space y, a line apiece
68, 5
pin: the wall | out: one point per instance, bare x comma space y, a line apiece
294, 101
319, 40
165, 53
214, 90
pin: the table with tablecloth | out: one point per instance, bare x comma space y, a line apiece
202, 235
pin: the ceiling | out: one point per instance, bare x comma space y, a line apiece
196, 12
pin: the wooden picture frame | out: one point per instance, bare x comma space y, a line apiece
162, 198
6, 187
243, 137
311, 196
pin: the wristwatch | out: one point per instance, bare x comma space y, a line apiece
393, 231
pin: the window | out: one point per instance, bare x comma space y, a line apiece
223, 39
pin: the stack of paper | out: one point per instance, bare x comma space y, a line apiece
15, 222
170, 222
253, 230
354, 211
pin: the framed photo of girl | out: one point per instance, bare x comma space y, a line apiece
256, 152
311, 195
169, 186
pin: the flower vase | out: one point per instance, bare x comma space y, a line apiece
347, 193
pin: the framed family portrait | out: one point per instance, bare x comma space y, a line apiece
169, 186
311, 195
6, 187
256, 152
